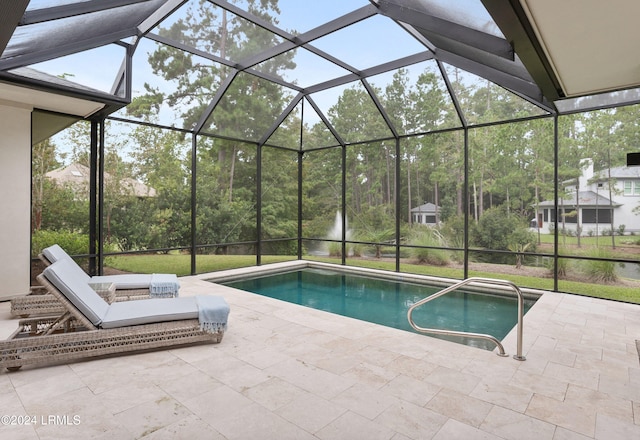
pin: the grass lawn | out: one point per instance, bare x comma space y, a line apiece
602, 241
181, 265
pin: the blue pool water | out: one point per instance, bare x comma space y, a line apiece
386, 302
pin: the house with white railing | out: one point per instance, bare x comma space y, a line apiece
596, 203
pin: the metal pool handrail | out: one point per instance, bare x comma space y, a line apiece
453, 287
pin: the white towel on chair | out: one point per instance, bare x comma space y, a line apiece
212, 313
163, 285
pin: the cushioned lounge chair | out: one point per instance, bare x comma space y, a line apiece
91, 327
127, 287
156, 285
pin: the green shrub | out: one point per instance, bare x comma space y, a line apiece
453, 231
335, 249
500, 230
563, 265
422, 236
494, 228
383, 237
72, 242
521, 240
600, 271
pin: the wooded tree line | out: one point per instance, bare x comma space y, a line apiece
511, 165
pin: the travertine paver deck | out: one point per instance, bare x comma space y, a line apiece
287, 372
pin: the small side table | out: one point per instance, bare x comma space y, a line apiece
106, 290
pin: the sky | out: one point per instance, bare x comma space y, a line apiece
366, 44
374, 41
371, 42
97, 68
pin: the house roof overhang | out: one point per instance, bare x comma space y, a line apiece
569, 47
586, 199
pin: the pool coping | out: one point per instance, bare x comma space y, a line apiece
276, 268
511, 338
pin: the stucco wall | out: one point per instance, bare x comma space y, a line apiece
15, 189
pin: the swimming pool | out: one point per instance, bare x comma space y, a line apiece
386, 302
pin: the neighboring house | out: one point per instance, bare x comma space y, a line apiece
77, 177
427, 214
596, 210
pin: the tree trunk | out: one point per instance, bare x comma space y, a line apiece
578, 228
409, 190
613, 234
561, 212
475, 201
459, 195
537, 198
224, 34
436, 201
232, 173
417, 174
108, 224
386, 151
481, 195
36, 204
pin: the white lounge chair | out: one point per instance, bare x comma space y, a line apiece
155, 285
127, 287
91, 327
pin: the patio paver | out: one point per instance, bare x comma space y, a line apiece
290, 372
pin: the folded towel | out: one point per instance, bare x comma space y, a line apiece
163, 285
212, 313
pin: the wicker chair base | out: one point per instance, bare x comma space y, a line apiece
36, 305
47, 304
27, 348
